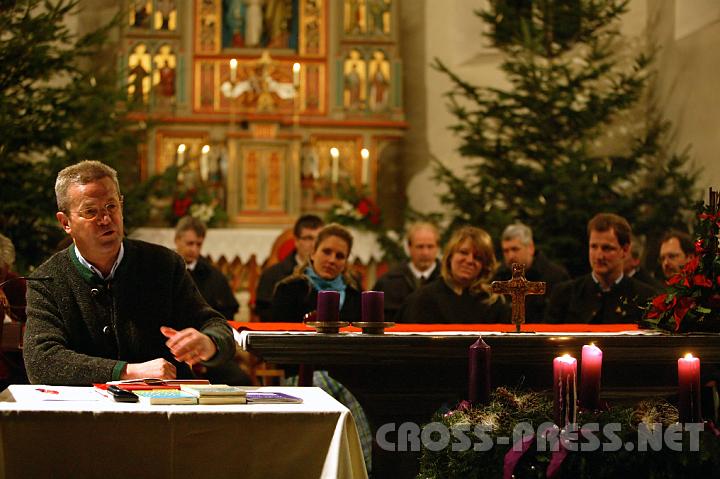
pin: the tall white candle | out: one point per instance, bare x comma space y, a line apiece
204, 165
335, 169
365, 166
233, 70
181, 155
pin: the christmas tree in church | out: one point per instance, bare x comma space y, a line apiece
571, 136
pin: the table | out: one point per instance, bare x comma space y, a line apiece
412, 371
317, 438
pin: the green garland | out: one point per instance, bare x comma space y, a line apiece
508, 408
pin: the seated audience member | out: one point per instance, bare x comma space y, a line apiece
213, 285
114, 308
12, 294
305, 232
632, 266
605, 295
423, 242
676, 249
518, 247
462, 292
326, 269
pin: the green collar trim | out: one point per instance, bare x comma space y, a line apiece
85, 273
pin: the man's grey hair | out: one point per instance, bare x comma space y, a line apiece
188, 223
81, 174
421, 225
7, 252
518, 231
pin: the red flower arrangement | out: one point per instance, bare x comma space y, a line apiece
691, 301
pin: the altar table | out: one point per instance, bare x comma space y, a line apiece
315, 439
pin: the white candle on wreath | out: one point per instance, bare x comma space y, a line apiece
335, 169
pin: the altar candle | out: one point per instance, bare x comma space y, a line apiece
328, 306
204, 165
590, 380
373, 306
233, 70
181, 155
296, 74
479, 372
689, 389
335, 168
564, 389
364, 174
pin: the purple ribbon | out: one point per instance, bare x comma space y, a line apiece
516, 452
556, 460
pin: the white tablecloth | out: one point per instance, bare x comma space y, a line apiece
244, 242
315, 439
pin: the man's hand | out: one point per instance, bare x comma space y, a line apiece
157, 368
189, 345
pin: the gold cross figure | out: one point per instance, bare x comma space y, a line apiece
518, 287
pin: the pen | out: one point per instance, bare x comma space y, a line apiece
47, 391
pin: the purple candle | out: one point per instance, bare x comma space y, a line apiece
590, 380
689, 389
479, 372
565, 389
373, 306
328, 306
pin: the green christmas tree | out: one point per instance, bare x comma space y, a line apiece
569, 138
60, 102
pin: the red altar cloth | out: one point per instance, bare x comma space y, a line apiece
429, 328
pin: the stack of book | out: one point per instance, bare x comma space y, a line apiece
165, 396
215, 393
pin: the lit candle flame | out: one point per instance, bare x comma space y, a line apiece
688, 356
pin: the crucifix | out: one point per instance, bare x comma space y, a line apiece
518, 287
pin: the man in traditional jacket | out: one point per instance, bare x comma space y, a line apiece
605, 295
305, 232
423, 242
518, 247
112, 308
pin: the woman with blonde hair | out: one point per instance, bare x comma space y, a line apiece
326, 270
462, 293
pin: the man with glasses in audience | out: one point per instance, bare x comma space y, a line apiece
676, 249
114, 308
305, 232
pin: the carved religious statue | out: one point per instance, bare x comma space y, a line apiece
518, 287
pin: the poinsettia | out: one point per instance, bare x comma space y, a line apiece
691, 301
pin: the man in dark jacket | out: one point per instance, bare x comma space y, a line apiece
423, 241
111, 308
605, 295
518, 247
213, 285
305, 232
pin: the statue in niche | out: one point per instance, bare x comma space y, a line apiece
167, 80
352, 86
207, 82
253, 23
354, 16
165, 8
377, 9
312, 37
207, 32
278, 23
379, 82
138, 75
141, 14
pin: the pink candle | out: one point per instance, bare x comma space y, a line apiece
479, 372
373, 306
590, 380
328, 306
564, 389
689, 389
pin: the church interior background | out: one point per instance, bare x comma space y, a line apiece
271, 107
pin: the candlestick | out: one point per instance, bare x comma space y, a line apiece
328, 306
479, 372
689, 389
373, 306
335, 169
296, 74
233, 70
365, 154
590, 380
564, 389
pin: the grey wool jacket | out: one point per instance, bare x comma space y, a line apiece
82, 330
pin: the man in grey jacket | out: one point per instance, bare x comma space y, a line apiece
109, 308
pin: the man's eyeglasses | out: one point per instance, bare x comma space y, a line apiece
92, 213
